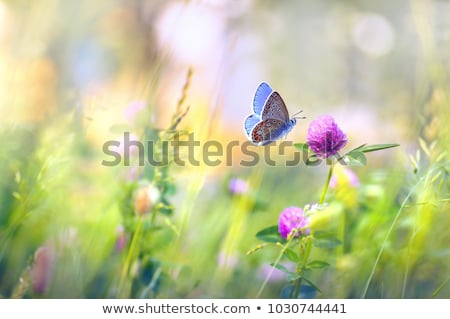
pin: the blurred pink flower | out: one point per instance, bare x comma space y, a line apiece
225, 260
275, 274
41, 271
132, 174
237, 186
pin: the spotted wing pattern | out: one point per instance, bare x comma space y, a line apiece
275, 108
250, 123
267, 131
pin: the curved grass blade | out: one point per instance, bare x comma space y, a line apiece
376, 147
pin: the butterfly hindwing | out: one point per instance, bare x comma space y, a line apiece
250, 123
266, 131
262, 93
275, 108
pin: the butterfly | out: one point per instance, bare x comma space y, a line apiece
270, 119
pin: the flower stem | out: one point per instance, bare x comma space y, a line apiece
324, 192
305, 249
277, 261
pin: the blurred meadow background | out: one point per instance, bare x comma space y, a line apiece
76, 74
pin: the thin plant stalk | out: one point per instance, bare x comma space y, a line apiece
327, 183
277, 261
133, 251
306, 250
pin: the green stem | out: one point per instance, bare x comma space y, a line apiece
342, 231
302, 267
388, 234
277, 261
132, 253
325, 189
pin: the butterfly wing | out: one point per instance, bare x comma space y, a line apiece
250, 123
266, 131
262, 93
275, 108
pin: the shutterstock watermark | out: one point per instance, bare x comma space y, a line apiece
186, 150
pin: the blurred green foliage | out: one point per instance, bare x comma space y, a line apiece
69, 69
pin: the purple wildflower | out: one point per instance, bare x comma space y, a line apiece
324, 137
293, 218
237, 186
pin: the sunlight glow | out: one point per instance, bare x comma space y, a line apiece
191, 33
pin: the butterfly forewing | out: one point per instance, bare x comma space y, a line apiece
275, 108
262, 93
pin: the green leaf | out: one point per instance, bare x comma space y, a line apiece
270, 235
293, 276
291, 255
355, 158
169, 188
17, 196
318, 264
326, 242
313, 160
377, 147
312, 285
271, 230
302, 146
166, 210
358, 148
165, 207
282, 268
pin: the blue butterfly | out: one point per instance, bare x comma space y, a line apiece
270, 120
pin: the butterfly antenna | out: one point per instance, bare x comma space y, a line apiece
298, 117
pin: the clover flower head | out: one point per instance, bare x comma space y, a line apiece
293, 219
324, 137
